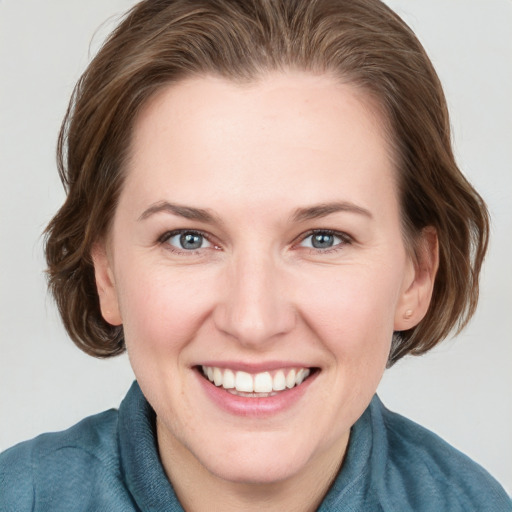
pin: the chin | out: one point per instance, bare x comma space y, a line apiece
257, 459
256, 470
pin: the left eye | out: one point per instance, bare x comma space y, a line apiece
322, 240
188, 240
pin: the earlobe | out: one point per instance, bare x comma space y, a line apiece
105, 284
416, 296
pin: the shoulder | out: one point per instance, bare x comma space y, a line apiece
73, 459
428, 472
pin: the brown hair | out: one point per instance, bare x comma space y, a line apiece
361, 41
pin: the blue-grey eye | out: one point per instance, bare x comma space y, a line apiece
322, 240
188, 241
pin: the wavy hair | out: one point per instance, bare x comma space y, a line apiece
361, 41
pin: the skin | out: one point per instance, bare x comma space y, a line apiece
256, 291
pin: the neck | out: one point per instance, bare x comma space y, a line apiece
199, 490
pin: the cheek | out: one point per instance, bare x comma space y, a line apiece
162, 310
353, 312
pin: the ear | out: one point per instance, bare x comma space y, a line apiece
419, 283
105, 284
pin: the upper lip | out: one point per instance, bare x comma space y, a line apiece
255, 367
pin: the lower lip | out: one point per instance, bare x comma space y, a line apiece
255, 406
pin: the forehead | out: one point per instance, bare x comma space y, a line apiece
208, 137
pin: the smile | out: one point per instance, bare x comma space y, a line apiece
261, 384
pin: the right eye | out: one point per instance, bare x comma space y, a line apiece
325, 240
186, 240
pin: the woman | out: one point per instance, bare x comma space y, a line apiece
264, 210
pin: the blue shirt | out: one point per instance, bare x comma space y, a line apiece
110, 462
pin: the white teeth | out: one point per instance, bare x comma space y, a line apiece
262, 383
301, 375
290, 379
244, 382
279, 382
217, 376
229, 380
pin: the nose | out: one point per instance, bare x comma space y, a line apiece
255, 307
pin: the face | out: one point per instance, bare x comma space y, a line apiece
257, 265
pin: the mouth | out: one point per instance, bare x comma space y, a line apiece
259, 385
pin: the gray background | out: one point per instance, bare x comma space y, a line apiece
461, 390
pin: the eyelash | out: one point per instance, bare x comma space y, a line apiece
344, 237
164, 239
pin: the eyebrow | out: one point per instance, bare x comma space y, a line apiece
324, 209
300, 214
186, 212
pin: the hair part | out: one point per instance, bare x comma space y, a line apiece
361, 42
